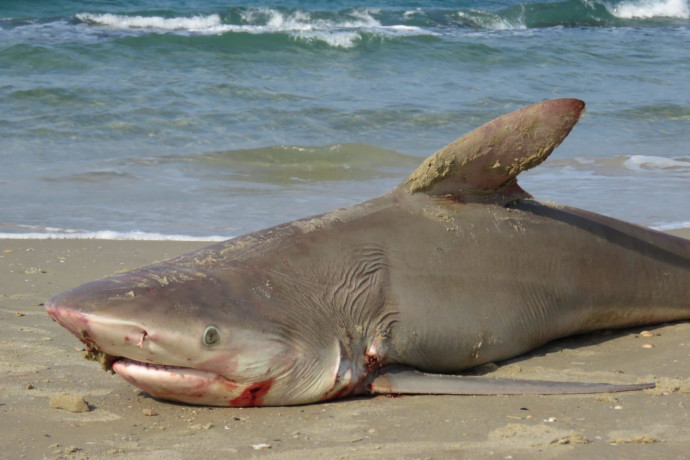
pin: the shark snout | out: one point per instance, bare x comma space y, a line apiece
88, 312
98, 332
71, 319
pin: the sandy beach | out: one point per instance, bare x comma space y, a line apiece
40, 360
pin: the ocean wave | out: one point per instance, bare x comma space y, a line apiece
670, 226
582, 13
349, 28
51, 233
654, 163
646, 9
208, 23
342, 30
146, 236
487, 20
284, 165
622, 165
346, 156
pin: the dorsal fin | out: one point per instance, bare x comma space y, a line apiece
489, 158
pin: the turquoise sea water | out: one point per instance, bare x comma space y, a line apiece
212, 118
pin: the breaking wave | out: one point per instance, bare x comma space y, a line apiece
210, 23
654, 163
345, 28
645, 9
348, 28
47, 233
342, 29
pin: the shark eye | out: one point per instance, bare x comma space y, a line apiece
211, 336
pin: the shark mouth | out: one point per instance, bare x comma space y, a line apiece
173, 383
178, 383
182, 384
189, 385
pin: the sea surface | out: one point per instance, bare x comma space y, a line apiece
207, 119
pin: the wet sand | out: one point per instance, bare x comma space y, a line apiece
39, 360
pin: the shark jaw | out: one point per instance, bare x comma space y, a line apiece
191, 386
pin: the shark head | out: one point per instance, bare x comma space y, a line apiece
180, 335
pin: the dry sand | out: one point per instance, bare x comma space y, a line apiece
40, 362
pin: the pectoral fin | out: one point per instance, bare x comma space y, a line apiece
408, 381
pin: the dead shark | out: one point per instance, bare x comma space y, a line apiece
456, 267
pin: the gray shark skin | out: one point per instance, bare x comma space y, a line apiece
455, 267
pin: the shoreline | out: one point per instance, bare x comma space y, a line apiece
681, 232
40, 360
107, 235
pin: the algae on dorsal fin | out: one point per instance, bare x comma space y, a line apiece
489, 158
